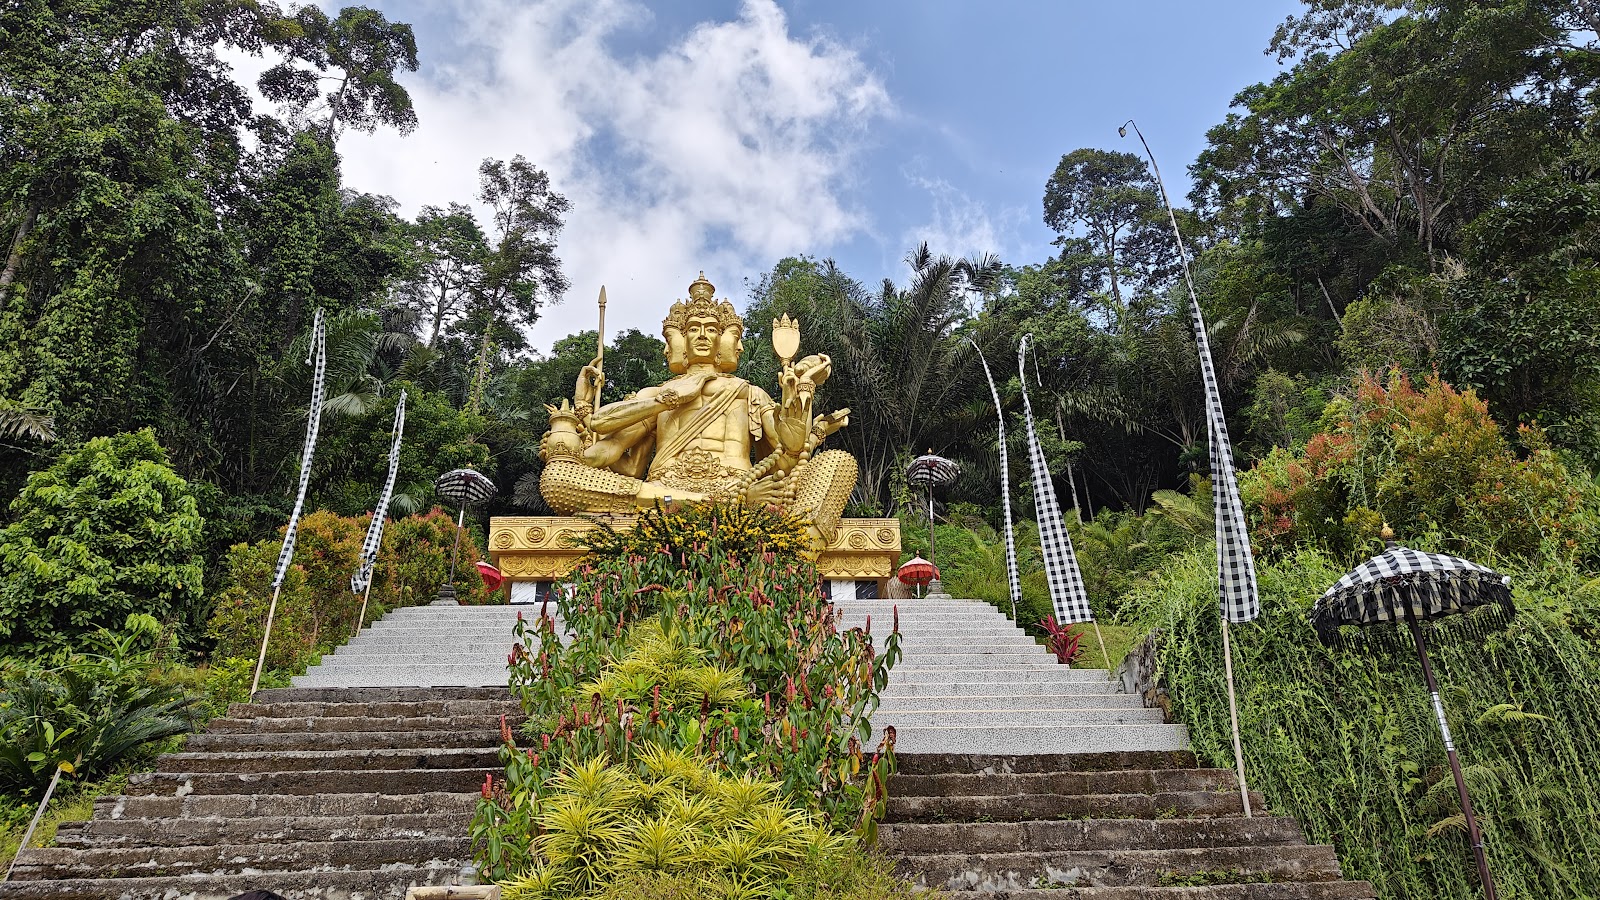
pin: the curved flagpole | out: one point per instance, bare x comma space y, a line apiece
361, 581
319, 362
1236, 565
1012, 578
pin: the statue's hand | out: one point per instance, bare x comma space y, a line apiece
828, 424
590, 381
814, 369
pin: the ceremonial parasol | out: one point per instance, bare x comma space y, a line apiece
464, 487
1401, 585
918, 573
930, 471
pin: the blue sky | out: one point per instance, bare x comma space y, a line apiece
725, 135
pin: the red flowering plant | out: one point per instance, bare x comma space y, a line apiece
701, 631
1062, 640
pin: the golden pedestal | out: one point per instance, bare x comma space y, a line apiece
541, 548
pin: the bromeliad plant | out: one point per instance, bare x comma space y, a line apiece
691, 635
1062, 640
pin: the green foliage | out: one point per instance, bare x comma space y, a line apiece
1344, 740
106, 531
701, 662
1425, 460
316, 609
227, 681
100, 709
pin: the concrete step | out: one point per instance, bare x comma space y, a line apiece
1036, 807
1022, 691
991, 719
407, 674
266, 805
1126, 781
1305, 890
1117, 868
473, 658
1044, 672
452, 645
385, 884
105, 833
909, 838
481, 734
1001, 704
220, 859
986, 739
1021, 763
337, 781
352, 759
381, 694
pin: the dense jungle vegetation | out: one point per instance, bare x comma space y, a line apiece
1396, 243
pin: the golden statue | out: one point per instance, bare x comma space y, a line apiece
693, 438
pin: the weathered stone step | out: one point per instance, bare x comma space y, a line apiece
256, 714
1136, 781
275, 761
354, 781
1038, 763
1117, 868
384, 884
1041, 739
380, 694
296, 856
1087, 834
185, 832
425, 723
478, 735
1031, 807
267, 805
1304, 890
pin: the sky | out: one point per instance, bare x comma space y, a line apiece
725, 135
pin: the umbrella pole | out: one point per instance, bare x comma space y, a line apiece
1473, 833
1233, 718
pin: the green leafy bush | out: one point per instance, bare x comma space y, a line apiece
98, 710
316, 608
1345, 740
107, 530
693, 643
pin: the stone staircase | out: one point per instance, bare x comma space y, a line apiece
1021, 779
355, 784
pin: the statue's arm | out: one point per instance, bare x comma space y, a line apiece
604, 453
622, 414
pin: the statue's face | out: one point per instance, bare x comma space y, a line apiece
701, 333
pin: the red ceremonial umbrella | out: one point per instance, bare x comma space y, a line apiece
918, 573
492, 577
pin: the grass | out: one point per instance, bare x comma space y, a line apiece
75, 807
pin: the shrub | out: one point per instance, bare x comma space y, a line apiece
316, 608
1428, 460
107, 530
100, 709
692, 642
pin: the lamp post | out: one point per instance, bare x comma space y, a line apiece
930, 471
465, 487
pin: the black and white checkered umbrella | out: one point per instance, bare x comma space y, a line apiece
1401, 584
932, 471
464, 487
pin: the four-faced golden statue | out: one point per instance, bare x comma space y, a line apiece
704, 435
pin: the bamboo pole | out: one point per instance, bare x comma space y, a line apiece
1104, 654
1233, 718
361, 617
37, 815
261, 660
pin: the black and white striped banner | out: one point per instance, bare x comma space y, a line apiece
319, 363
1012, 577
1067, 593
369, 547
1236, 565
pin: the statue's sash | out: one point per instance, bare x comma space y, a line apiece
702, 419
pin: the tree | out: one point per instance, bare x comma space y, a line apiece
521, 266
363, 50
108, 530
451, 250
1113, 198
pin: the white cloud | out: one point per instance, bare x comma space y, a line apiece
961, 226
729, 149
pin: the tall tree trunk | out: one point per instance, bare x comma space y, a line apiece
18, 238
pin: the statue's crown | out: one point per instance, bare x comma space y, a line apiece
702, 302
